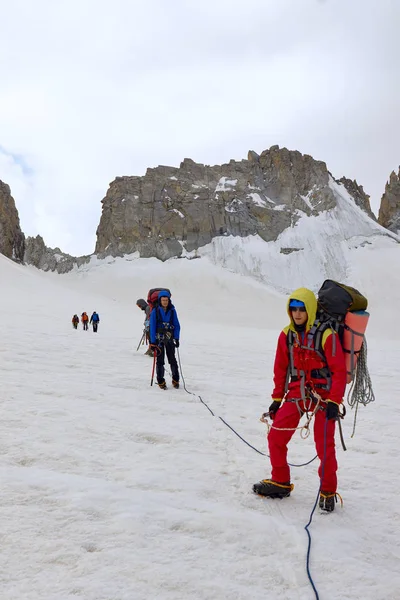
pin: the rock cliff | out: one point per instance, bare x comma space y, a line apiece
50, 259
389, 212
360, 197
171, 208
12, 240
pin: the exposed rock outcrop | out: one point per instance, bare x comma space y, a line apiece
360, 197
50, 259
12, 240
170, 208
389, 212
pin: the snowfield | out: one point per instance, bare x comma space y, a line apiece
115, 490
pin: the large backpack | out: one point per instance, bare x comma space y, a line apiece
152, 296
343, 309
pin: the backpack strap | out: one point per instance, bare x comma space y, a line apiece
293, 373
290, 369
312, 332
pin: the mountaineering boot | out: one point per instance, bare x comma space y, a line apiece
175, 383
162, 385
273, 489
149, 352
327, 501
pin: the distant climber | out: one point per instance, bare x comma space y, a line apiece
75, 321
95, 320
85, 321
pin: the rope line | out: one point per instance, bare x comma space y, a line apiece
240, 437
227, 424
306, 527
311, 517
361, 392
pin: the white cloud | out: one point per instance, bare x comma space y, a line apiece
90, 91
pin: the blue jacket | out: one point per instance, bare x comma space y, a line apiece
95, 318
169, 317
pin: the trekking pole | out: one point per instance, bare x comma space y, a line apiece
341, 435
141, 339
154, 364
339, 418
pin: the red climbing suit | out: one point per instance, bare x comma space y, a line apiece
306, 370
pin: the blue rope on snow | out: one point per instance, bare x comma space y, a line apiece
227, 424
311, 516
264, 454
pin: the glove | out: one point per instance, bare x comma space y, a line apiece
176, 342
273, 409
332, 410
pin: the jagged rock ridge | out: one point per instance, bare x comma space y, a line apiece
12, 240
50, 259
360, 197
171, 208
389, 212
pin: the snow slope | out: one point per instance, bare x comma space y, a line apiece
323, 246
115, 490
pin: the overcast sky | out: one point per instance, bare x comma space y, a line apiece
94, 89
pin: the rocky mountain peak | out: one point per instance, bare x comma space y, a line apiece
360, 197
12, 240
50, 259
389, 212
171, 208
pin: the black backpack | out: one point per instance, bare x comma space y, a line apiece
336, 299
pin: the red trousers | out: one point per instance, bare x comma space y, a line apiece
288, 416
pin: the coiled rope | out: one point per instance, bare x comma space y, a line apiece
361, 391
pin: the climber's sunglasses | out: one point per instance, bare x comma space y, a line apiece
301, 309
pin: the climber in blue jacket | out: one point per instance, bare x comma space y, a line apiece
164, 337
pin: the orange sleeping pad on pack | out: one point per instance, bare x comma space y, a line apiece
355, 324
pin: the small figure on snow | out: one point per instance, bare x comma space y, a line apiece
75, 321
95, 320
305, 381
85, 321
164, 337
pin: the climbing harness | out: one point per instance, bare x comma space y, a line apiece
310, 412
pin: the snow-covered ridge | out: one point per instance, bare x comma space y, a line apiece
316, 248
342, 244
